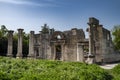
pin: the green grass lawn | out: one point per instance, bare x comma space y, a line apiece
32, 69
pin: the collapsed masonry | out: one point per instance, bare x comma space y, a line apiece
69, 45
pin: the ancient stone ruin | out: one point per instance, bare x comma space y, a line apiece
69, 45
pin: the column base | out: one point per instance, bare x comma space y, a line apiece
9, 55
31, 56
90, 59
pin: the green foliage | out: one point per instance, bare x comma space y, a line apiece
31, 69
45, 29
3, 46
116, 35
3, 31
3, 40
25, 44
116, 72
15, 40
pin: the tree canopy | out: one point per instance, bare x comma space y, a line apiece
3, 31
116, 36
45, 29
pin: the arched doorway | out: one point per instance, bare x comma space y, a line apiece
58, 52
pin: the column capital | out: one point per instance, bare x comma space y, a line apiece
11, 31
32, 32
20, 30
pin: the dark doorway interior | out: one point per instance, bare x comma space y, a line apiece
36, 52
58, 52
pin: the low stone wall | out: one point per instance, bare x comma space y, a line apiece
112, 57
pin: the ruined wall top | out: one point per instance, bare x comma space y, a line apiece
93, 20
58, 35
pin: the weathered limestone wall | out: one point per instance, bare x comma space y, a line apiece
80, 52
101, 45
111, 57
71, 49
37, 46
70, 52
48, 51
44, 45
52, 52
108, 49
47, 46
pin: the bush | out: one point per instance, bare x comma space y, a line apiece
31, 69
116, 72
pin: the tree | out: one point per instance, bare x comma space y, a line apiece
25, 44
15, 43
116, 36
3, 40
3, 31
45, 29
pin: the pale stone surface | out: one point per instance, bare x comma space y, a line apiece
20, 39
109, 66
31, 45
10, 43
80, 53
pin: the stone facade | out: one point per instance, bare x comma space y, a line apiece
102, 46
70, 45
56, 45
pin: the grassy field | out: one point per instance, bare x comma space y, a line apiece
31, 69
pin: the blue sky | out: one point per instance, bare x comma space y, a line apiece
58, 14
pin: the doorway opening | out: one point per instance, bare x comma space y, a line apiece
58, 52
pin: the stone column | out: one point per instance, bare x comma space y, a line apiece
19, 51
10, 43
92, 24
62, 52
31, 45
90, 41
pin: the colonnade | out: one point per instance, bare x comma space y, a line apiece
10, 43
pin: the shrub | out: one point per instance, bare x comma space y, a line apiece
116, 72
31, 69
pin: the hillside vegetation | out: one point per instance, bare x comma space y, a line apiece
32, 69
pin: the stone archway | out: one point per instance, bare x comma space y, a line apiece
58, 52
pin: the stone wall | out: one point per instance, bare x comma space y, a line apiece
101, 41
69, 45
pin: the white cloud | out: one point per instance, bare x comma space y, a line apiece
24, 2
14, 1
